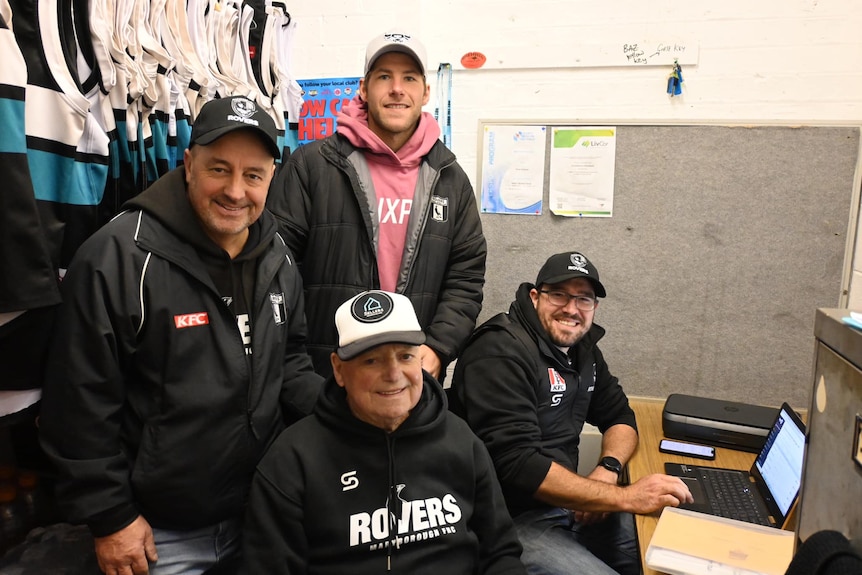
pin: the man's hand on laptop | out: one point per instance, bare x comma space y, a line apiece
655, 492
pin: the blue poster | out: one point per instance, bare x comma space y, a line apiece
513, 169
322, 100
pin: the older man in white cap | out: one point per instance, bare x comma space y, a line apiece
381, 477
383, 204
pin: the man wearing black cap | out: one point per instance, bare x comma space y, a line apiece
179, 355
382, 477
383, 204
526, 383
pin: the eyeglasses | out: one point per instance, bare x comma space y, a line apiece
561, 298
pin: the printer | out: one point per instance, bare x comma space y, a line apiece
717, 422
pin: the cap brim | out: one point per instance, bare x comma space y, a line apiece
214, 135
597, 285
358, 347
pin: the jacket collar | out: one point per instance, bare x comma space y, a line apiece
438, 157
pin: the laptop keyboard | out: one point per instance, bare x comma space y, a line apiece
731, 496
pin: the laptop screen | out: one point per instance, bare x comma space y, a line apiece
779, 463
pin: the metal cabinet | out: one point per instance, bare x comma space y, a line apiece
832, 477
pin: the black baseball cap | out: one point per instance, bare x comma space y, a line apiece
568, 265
224, 115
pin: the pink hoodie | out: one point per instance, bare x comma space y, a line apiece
394, 176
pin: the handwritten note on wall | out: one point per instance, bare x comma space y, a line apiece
644, 54
572, 55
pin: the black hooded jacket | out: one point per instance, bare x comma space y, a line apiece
528, 400
323, 201
164, 387
323, 497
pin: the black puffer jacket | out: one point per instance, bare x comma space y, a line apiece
324, 212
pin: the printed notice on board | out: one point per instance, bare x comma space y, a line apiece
582, 171
513, 169
322, 100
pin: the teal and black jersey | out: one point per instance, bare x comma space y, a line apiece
67, 149
29, 278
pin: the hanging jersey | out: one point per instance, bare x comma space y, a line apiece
66, 148
199, 39
289, 91
257, 44
29, 279
221, 27
181, 79
155, 104
122, 184
190, 76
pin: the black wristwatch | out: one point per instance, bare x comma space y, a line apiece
611, 464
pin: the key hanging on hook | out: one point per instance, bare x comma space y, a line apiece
674, 81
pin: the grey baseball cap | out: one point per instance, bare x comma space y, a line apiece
395, 41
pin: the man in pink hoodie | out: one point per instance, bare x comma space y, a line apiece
383, 204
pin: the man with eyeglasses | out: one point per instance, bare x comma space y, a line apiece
526, 383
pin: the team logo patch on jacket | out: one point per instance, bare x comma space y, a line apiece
558, 384
279, 311
439, 209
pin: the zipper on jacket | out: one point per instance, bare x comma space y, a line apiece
431, 189
393, 507
347, 168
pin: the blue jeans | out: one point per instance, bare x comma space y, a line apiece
555, 545
193, 552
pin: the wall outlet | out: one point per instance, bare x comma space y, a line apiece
857, 441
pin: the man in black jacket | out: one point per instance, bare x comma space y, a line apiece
178, 355
526, 383
383, 204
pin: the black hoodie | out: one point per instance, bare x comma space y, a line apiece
324, 494
155, 403
528, 400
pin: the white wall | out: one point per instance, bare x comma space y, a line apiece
767, 61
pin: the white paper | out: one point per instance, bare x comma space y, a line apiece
675, 563
582, 171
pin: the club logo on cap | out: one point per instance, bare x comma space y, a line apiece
397, 37
579, 263
243, 107
374, 307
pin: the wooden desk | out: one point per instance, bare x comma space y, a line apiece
648, 459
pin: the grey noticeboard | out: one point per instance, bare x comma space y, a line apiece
723, 243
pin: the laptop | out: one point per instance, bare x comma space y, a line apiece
765, 494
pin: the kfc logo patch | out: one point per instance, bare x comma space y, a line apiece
191, 320
558, 384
